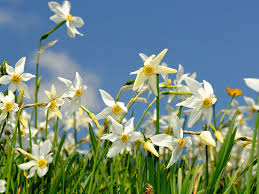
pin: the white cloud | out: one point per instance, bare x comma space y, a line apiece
60, 64
6, 17
16, 19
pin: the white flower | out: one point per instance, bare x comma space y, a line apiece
2, 186
200, 102
54, 103
40, 159
149, 71
75, 91
63, 14
122, 137
251, 107
207, 139
176, 141
115, 109
16, 77
8, 105
252, 83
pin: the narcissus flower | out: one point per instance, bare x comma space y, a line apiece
252, 83
16, 77
149, 71
63, 14
201, 102
176, 141
115, 109
8, 106
122, 137
2, 186
75, 91
54, 103
40, 158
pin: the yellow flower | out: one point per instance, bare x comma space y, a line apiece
234, 92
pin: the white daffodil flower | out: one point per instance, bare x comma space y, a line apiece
75, 91
149, 71
8, 106
63, 14
54, 103
2, 186
122, 137
40, 159
252, 83
251, 107
115, 109
207, 139
176, 141
16, 77
200, 102
25, 137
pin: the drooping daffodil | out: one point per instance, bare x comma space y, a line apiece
54, 103
150, 70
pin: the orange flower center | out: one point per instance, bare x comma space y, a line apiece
52, 104
78, 92
41, 163
181, 143
124, 138
69, 17
148, 70
16, 79
8, 106
116, 109
207, 102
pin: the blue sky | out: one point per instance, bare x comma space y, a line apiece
217, 39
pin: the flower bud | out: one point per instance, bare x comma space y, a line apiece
207, 139
219, 136
150, 147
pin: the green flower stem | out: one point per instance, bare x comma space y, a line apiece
177, 93
157, 104
75, 133
169, 86
192, 132
37, 81
10, 156
225, 112
91, 115
252, 156
55, 134
207, 166
46, 126
145, 112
